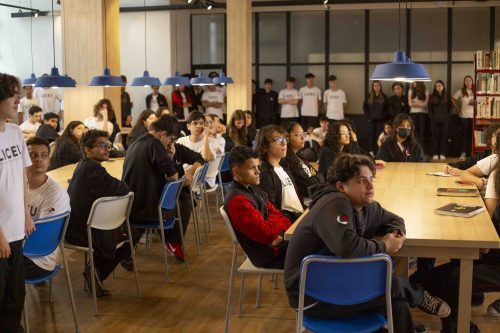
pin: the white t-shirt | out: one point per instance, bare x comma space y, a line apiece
319, 132
48, 200
466, 110
310, 98
13, 159
27, 126
335, 103
213, 96
418, 109
487, 164
223, 91
491, 192
289, 110
93, 123
153, 104
25, 105
50, 99
290, 201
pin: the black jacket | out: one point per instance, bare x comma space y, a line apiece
300, 177
126, 106
397, 105
378, 109
66, 151
162, 100
390, 152
136, 133
267, 108
471, 161
439, 110
334, 227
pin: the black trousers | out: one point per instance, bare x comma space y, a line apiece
443, 282
404, 297
32, 271
12, 289
306, 122
290, 120
420, 122
438, 137
375, 127
104, 265
466, 124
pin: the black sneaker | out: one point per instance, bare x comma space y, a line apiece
100, 291
420, 328
494, 308
477, 299
127, 264
434, 306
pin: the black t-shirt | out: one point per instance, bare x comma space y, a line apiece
144, 170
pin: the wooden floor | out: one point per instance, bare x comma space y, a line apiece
193, 301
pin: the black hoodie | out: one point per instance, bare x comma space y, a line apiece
334, 227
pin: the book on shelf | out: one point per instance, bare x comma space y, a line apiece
488, 83
479, 138
457, 192
488, 59
460, 210
488, 108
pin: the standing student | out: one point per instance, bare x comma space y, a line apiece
237, 130
156, 100
401, 146
48, 129
212, 101
418, 100
439, 112
375, 109
141, 127
100, 120
288, 98
26, 103
335, 100
15, 221
126, 104
181, 103
67, 149
310, 101
267, 107
33, 122
50, 100
398, 102
463, 102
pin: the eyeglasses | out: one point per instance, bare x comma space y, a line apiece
279, 140
299, 134
104, 146
365, 180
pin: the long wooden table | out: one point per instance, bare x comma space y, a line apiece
406, 190
63, 175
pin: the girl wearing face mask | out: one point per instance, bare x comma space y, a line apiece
463, 102
236, 128
439, 112
402, 145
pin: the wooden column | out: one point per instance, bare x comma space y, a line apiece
83, 46
239, 54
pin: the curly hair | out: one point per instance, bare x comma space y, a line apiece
264, 139
347, 166
332, 137
99, 105
489, 132
90, 137
9, 86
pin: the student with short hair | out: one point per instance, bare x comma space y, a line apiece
267, 106
15, 219
319, 133
91, 181
156, 100
26, 103
33, 122
439, 112
258, 225
335, 100
310, 101
50, 100
375, 109
288, 98
141, 126
398, 102
401, 146
275, 179
67, 149
48, 129
46, 198
213, 100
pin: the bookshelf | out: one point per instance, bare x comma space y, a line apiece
486, 95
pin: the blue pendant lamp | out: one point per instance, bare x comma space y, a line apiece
32, 79
401, 68
145, 80
223, 79
201, 80
106, 80
55, 80
177, 79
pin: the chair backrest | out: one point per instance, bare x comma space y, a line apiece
203, 173
170, 194
214, 166
346, 281
224, 165
109, 213
229, 226
47, 236
118, 138
52, 148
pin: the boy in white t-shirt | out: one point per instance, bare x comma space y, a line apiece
289, 98
335, 100
31, 125
50, 100
46, 198
15, 220
212, 101
310, 99
319, 133
26, 103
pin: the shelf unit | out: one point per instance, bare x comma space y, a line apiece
479, 123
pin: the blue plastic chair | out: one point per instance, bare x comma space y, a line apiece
199, 185
346, 282
45, 240
224, 166
169, 199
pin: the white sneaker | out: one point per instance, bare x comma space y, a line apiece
142, 240
462, 156
435, 158
442, 157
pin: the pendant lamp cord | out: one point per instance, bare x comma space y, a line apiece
105, 37
31, 38
399, 23
176, 46
201, 36
145, 41
53, 35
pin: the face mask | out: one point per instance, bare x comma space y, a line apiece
404, 132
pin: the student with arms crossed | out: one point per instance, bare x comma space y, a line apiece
288, 98
15, 221
267, 107
335, 100
258, 225
310, 101
343, 220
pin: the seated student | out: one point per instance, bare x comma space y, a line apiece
456, 168
31, 125
401, 146
302, 172
275, 179
237, 130
318, 134
385, 134
251, 127
151, 161
67, 149
112, 119
89, 182
46, 198
258, 225
141, 126
212, 122
343, 220
161, 111
47, 130
100, 120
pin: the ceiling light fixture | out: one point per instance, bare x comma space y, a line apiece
201, 80
32, 79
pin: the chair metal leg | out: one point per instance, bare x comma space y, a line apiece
25, 315
132, 255
51, 293
242, 291
181, 232
70, 288
275, 285
203, 211
196, 229
92, 276
207, 207
230, 289
257, 299
148, 241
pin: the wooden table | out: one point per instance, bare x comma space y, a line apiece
63, 175
406, 190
